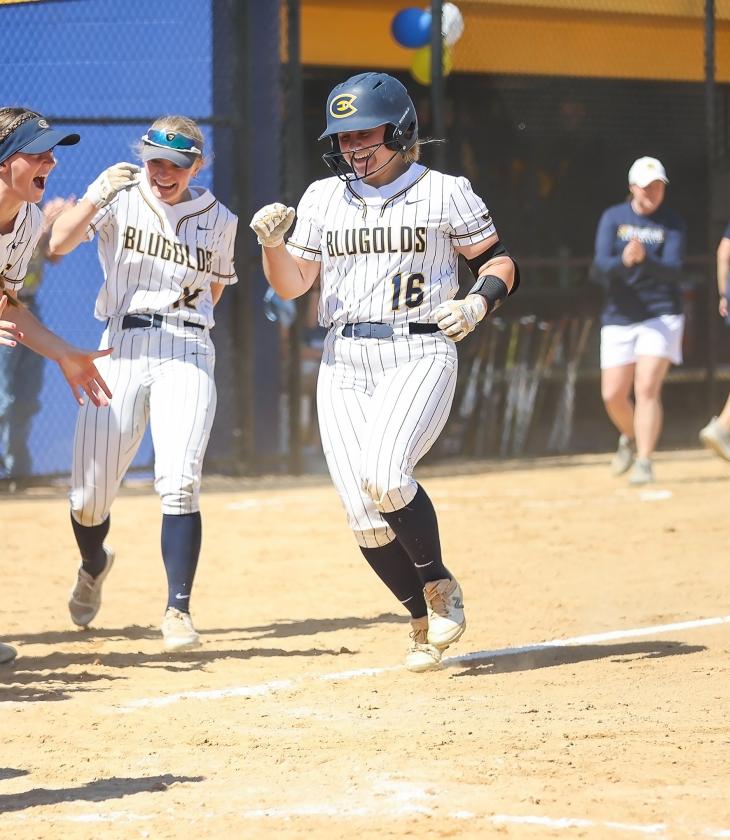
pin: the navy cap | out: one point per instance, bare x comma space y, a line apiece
34, 137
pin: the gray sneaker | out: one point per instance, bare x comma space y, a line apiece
7, 654
714, 437
642, 472
625, 455
85, 599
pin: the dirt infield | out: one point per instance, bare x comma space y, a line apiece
295, 718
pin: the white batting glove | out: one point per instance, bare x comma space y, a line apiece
121, 176
457, 318
271, 222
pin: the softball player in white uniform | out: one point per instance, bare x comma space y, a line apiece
166, 249
27, 142
385, 236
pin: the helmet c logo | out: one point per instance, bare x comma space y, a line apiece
341, 106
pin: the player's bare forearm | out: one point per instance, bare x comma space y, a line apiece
76, 365
69, 229
288, 277
501, 267
37, 337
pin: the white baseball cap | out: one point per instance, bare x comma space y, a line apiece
645, 170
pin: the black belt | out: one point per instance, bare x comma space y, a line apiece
151, 319
368, 329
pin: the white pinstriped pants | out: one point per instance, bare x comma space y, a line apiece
160, 375
381, 403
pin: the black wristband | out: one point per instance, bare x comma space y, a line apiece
492, 288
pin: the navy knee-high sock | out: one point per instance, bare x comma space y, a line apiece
181, 538
394, 567
90, 540
417, 530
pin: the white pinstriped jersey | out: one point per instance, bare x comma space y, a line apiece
17, 247
388, 254
163, 258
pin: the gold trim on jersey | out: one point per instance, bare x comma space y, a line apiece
403, 191
304, 247
197, 213
359, 198
387, 200
473, 232
152, 207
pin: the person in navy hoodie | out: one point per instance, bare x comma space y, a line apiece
640, 246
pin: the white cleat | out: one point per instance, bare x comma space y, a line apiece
421, 656
714, 437
178, 631
446, 621
85, 600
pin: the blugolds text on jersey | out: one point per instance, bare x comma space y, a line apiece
377, 240
158, 246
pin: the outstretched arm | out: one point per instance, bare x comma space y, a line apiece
10, 335
76, 365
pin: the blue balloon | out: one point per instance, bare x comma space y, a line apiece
412, 28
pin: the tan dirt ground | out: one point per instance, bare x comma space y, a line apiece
295, 718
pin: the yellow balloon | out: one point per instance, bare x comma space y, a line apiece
421, 66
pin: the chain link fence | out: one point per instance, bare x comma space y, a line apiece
545, 107
106, 70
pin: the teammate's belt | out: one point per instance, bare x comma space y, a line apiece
151, 319
369, 329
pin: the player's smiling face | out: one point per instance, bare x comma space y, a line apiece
365, 153
169, 183
25, 176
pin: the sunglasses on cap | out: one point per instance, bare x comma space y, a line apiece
171, 140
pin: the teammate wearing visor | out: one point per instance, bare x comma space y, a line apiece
385, 236
27, 142
166, 248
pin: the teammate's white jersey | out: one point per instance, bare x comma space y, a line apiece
162, 258
17, 247
388, 253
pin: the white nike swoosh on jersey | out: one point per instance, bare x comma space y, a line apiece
181, 597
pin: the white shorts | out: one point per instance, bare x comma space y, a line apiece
661, 337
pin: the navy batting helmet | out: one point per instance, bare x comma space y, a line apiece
367, 101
